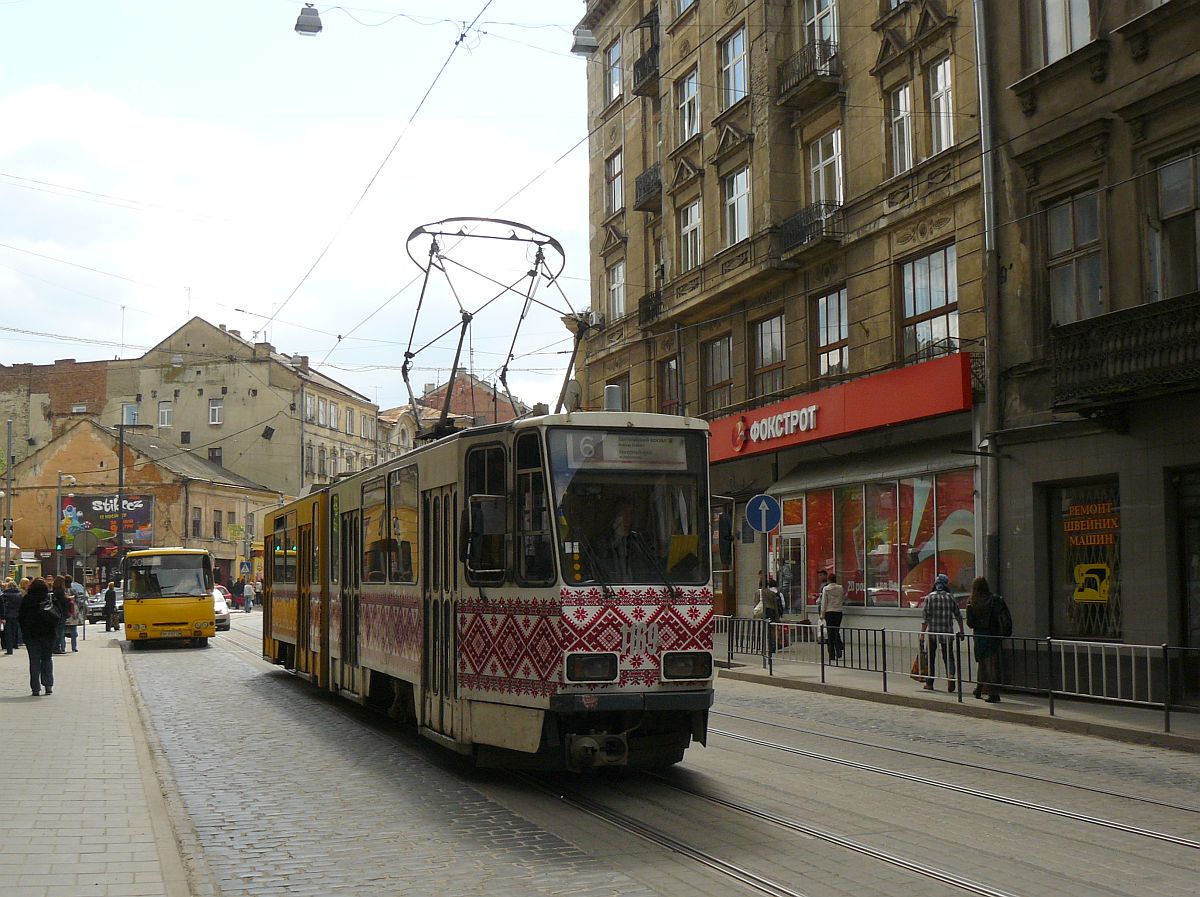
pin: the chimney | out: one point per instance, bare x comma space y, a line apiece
301, 362
222, 326
264, 348
429, 387
236, 333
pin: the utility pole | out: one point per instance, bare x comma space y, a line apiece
121, 494
8, 521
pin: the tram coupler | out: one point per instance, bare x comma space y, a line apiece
592, 751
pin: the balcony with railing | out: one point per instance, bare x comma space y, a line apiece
650, 307
813, 74
817, 223
647, 189
645, 74
1152, 349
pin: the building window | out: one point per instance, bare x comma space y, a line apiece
767, 362
308, 459
349, 421
930, 285
216, 409
615, 277
185, 437
687, 105
622, 383
218, 530
1175, 241
1057, 28
614, 184
129, 414
1085, 560
197, 523
612, 69
833, 335
322, 462
79, 409
362, 420
689, 236
333, 415
733, 68
685, 5
735, 196
215, 454
825, 167
322, 413
716, 361
900, 118
164, 414
1074, 262
668, 386
310, 408
820, 20
941, 107
333, 462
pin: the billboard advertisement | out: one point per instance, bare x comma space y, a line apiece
98, 515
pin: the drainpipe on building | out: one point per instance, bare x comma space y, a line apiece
187, 514
301, 415
679, 379
991, 310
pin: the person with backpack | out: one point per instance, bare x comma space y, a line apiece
39, 624
990, 620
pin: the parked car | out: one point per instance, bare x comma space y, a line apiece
95, 606
221, 608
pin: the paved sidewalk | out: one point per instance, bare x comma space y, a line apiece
1136, 725
84, 814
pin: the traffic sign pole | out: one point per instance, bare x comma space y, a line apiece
764, 515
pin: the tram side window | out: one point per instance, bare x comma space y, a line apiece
485, 529
403, 561
375, 542
335, 537
535, 546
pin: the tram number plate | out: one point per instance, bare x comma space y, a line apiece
171, 633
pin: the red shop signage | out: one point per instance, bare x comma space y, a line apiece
929, 389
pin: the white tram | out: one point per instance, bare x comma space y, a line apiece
535, 593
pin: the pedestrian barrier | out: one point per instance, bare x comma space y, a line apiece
1164, 677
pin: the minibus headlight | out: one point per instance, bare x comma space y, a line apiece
687, 665
591, 667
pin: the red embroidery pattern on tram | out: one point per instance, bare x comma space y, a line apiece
335, 623
516, 647
390, 632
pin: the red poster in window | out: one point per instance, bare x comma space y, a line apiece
883, 565
956, 529
819, 539
851, 542
918, 545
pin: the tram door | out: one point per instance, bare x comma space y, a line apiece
304, 587
351, 556
440, 606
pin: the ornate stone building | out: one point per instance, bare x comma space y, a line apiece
787, 239
1096, 112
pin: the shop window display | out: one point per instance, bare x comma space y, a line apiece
818, 507
849, 548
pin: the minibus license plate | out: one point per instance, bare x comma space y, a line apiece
171, 633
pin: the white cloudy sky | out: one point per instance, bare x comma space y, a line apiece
167, 157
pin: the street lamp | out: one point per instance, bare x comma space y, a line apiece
58, 540
309, 21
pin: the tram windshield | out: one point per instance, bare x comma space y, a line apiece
632, 506
168, 576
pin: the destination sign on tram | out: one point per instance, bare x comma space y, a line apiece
601, 450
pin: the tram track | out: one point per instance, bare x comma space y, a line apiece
563, 792
979, 767
970, 792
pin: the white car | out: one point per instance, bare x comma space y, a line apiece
221, 609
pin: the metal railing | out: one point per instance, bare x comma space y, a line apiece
645, 72
820, 220
818, 58
647, 188
1163, 677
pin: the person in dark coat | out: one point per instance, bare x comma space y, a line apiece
984, 619
62, 604
110, 609
38, 627
11, 607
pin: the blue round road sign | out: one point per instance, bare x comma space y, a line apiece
763, 513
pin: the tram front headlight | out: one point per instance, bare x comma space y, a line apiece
591, 667
687, 665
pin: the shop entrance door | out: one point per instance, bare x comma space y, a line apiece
1189, 523
791, 574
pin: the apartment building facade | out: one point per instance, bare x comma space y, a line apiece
787, 240
241, 405
1097, 125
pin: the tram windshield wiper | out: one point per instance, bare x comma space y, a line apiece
590, 557
654, 562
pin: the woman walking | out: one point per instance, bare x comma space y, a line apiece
983, 616
62, 604
38, 625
